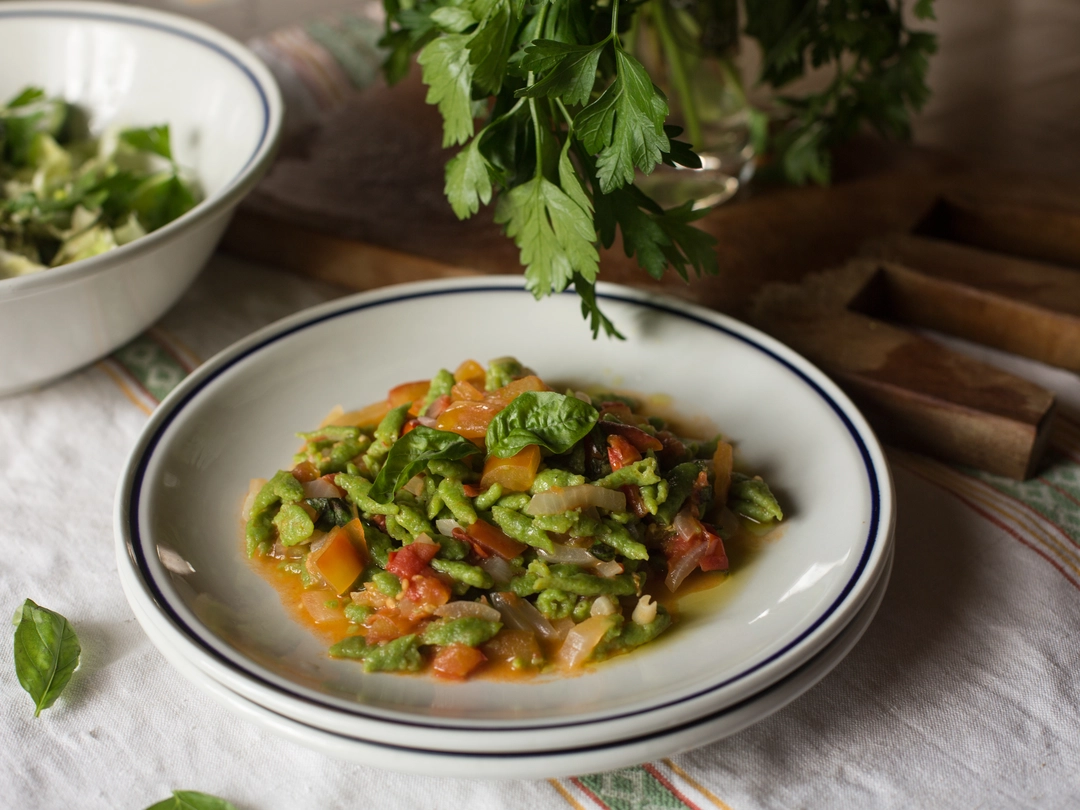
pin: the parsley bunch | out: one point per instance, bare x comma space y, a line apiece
568, 117
879, 74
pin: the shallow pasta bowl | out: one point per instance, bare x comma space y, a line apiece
236, 417
131, 67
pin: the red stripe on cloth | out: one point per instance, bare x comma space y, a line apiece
1004, 527
663, 780
581, 786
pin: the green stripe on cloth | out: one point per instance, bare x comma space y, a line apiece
151, 366
630, 789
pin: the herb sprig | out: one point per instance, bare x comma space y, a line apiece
569, 117
879, 67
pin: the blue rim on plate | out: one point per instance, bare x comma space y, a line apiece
133, 481
605, 755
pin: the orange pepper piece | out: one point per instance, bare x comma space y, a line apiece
339, 562
514, 474
505, 395
408, 392
468, 419
471, 371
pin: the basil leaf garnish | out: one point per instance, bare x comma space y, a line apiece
192, 800
553, 421
46, 653
411, 453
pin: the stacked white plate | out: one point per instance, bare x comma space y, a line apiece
784, 617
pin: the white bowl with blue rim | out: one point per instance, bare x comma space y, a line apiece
133, 67
236, 417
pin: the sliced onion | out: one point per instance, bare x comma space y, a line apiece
315, 604
685, 564
582, 640
426, 421
559, 499
415, 485
609, 569
321, 488
602, 606
461, 610
570, 555
446, 526
500, 570
424, 537
283, 552
249, 499
517, 614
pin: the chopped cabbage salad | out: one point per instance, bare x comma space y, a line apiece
65, 196
481, 522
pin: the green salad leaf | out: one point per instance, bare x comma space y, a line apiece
67, 196
192, 800
411, 453
46, 653
553, 421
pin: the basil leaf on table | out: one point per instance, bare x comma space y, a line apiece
411, 453
46, 653
553, 421
192, 800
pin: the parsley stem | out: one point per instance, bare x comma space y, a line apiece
536, 134
615, 21
679, 78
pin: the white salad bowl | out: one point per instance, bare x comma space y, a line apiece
131, 67
235, 419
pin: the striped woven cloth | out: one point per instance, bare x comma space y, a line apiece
964, 692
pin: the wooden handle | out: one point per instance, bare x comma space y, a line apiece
916, 393
1021, 306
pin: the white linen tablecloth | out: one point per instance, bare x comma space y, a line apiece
964, 692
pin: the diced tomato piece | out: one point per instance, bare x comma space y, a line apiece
456, 661
514, 474
339, 561
411, 560
460, 534
492, 539
701, 483
472, 490
468, 419
634, 502
465, 391
636, 436
427, 590
304, 472
408, 392
620, 410
715, 558
386, 624
472, 372
621, 452
412, 423
674, 451
438, 406
511, 645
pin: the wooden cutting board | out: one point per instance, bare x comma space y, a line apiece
905, 237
